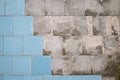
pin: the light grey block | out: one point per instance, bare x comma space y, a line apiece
93, 45
81, 65
72, 46
74, 7
53, 45
43, 26
100, 63
111, 45
54, 7
63, 26
106, 25
35, 7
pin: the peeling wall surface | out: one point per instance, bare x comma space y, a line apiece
81, 36
59, 39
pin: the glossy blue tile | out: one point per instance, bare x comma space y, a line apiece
21, 65
15, 7
13, 45
5, 65
92, 77
2, 7
6, 25
1, 45
41, 65
50, 77
12, 77
71, 78
1, 78
32, 78
23, 25
33, 45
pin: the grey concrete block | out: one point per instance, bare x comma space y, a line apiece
99, 63
54, 7
63, 26
81, 65
93, 45
111, 45
93, 8
67, 65
106, 25
35, 7
82, 26
108, 78
72, 26
72, 46
43, 26
57, 66
53, 45
111, 7
74, 7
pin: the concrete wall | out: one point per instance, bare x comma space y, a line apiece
80, 35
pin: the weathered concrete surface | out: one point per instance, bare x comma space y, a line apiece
35, 7
43, 26
73, 7
108, 78
100, 63
53, 45
54, 7
79, 44
93, 45
72, 46
63, 26
81, 65
106, 25
111, 45
72, 26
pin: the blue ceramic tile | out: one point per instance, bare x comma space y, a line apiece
71, 78
33, 45
6, 25
12, 77
92, 77
2, 7
23, 25
1, 78
53, 77
5, 65
21, 65
15, 7
32, 78
1, 45
41, 65
13, 45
